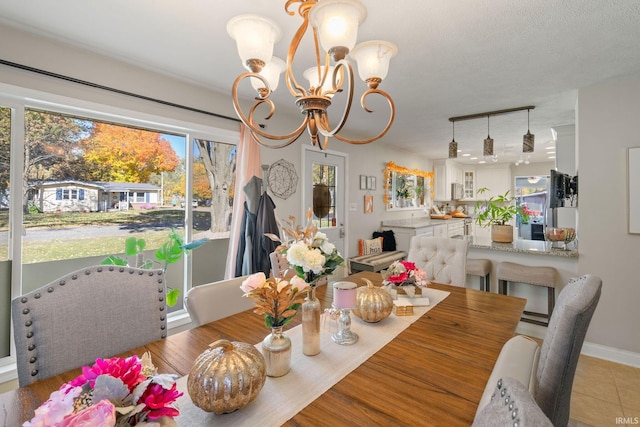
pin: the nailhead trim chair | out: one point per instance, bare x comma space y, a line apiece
443, 259
96, 312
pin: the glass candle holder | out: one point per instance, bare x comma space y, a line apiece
344, 299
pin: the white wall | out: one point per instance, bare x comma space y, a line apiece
607, 123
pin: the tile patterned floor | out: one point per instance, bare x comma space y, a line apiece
605, 394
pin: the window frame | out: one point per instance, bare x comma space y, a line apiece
20, 99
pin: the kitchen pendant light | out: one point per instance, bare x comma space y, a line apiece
488, 142
453, 145
528, 140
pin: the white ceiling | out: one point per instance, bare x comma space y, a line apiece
455, 57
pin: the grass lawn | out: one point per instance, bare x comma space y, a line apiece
56, 249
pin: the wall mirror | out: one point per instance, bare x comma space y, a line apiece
407, 188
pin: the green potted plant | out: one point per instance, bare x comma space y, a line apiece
170, 252
496, 212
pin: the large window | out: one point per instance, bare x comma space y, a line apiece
88, 183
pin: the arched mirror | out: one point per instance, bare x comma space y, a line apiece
407, 188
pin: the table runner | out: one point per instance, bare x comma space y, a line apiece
281, 398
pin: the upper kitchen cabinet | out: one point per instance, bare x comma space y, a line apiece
496, 178
446, 172
469, 182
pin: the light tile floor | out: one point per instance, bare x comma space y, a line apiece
605, 394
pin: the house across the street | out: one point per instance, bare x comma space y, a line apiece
88, 196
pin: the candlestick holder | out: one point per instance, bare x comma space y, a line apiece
344, 336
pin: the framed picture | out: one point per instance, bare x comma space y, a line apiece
633, 182
371, 182
363, 182
368, 203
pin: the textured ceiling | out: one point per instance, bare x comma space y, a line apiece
455, 57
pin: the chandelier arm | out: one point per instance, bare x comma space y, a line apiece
259, 140
387, 127
253, 126
294, 88
323, 125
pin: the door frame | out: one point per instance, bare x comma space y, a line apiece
306, 175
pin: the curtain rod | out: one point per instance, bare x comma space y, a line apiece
491, 113
111, 89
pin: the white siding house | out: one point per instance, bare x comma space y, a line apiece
85, 196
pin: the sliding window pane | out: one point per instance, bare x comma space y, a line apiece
5, 265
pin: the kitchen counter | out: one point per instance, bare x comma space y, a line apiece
413, 223
533, 247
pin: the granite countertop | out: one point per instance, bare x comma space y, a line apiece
533, 247
418, 222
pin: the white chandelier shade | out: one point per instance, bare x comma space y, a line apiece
337, 23
255, 37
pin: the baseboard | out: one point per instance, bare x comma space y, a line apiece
612, 354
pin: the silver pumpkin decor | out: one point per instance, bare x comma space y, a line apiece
226, 376
373, 303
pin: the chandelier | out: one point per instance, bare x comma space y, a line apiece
334, 26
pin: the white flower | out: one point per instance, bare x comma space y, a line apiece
320, 240
309, 259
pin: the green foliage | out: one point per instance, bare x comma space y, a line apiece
170, 252
498, 209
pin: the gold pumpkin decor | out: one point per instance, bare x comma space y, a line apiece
226, 376
373, 303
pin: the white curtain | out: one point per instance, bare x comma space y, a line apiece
247, 165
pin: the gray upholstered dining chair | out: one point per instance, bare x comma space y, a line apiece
443, 259
553, 370
511, 404
213, 301
562, 344
95, 312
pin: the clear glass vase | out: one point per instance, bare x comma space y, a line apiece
311, 324
276, 349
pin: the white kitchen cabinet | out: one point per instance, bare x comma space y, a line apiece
455, 228
446, 173
469, 182
440, 230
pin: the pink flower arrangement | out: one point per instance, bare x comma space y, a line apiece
117, 391
404, 273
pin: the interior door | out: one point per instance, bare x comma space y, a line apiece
324, 191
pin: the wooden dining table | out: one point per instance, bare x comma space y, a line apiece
432, 373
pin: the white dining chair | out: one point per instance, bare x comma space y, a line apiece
96, 312
443, 259
213, 301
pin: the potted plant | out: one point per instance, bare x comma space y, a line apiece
496, 212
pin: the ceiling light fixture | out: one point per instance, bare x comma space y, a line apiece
453, 145
528, 140
488, 142
334, 26
533, 179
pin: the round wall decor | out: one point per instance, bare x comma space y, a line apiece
282, 179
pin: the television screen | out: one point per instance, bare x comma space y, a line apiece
557, 185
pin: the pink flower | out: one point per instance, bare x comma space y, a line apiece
129, 370
158, 400
53, 411
252, 282
102, 414
398, 278
408, 265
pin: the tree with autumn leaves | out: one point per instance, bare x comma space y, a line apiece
122, 154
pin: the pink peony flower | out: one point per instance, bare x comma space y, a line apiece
409, 265
398, 278
252, 282
129, 370
53, 411
102, 414
158, 400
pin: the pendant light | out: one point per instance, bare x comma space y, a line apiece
453, 145
488, 142
528, 140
